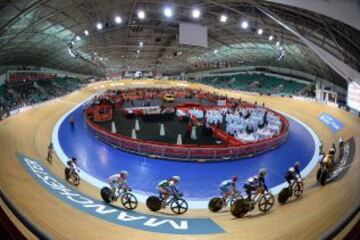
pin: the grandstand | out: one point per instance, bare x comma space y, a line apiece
21, 94
255, 82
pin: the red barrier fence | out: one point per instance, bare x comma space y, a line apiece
102, 113
187, 152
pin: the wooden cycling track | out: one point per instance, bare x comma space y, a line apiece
318, 211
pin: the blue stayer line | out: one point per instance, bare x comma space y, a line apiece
332, 123
116, 214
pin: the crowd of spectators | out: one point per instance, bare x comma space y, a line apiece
255, 83
14, 96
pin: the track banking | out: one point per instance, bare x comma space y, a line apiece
116, 214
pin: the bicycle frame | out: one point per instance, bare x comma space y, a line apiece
120, 192
256, 197
169, 200
294, 182
233, 197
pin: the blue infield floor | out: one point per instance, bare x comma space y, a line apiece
199, 180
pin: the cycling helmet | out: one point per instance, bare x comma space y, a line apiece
234, 178
176, 178
297, 165
73, 159
340, 140
124, 173
262, 172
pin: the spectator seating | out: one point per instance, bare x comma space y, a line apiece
255, 83
14, 96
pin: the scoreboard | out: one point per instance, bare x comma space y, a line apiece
353, 96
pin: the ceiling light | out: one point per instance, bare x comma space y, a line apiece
223, 18
138, 51
118, 19
99, 26
86, 32
215, 51
277, 43
141, 14
260, 31
141, 44
168, 12
196, 13
78, 38
271, 37
245, 24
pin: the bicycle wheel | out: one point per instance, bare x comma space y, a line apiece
67, 173
76, 179
153, 203
298, 189
318, 173
266, 202
323, 177
216, 204
240, 207
49, 158
283, 196
106, 194
179, 206
129, 201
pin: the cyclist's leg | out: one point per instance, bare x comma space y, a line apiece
114, 187
164, 195
226, 193
247, 189
289, 179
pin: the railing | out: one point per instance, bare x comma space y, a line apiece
16, 233
188, 152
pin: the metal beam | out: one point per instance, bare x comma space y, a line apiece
25, 11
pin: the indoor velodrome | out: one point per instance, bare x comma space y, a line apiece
159, 119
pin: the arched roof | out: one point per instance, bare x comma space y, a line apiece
38, 32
